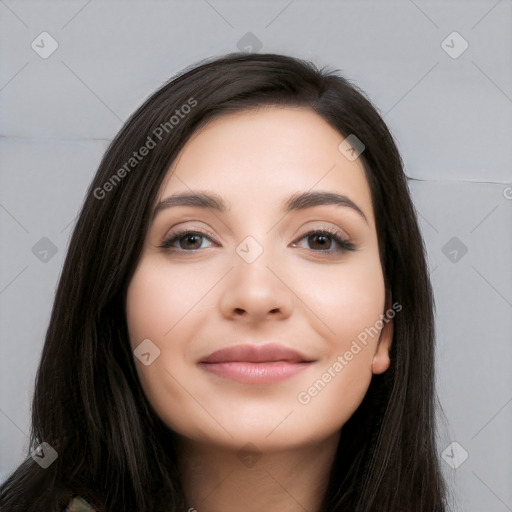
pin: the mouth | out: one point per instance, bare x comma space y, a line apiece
256, 364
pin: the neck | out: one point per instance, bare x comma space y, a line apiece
217, 479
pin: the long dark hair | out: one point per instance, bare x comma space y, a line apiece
88, 403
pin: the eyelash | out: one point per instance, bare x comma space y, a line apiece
344, 245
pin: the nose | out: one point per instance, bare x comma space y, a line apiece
258, 291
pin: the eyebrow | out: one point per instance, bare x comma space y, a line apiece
298, 201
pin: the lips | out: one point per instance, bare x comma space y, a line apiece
256, 364
267, 353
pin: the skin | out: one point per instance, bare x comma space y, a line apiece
190, 303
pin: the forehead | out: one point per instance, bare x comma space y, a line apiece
264, 155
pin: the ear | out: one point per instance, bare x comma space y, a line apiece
381, 361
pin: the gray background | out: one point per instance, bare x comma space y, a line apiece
451, 113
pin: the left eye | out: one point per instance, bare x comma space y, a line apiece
321, 235
191, 240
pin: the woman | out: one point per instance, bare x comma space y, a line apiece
244, 317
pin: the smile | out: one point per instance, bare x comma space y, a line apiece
256, 364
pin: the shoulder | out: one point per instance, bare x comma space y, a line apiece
78, 504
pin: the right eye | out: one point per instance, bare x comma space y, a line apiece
185, 239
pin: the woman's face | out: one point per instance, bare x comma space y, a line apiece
255, 273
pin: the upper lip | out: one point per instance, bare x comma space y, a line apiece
268, 352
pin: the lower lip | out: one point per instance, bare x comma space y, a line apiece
255, 373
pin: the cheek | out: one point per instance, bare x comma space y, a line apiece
158, 300
334, 394
350, 304
160, 306
348, 299
147, 312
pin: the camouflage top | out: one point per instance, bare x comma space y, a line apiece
78, 504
